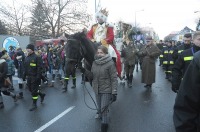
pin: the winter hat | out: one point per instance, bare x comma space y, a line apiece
30, 46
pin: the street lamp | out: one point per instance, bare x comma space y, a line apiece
135, 15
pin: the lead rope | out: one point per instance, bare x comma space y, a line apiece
103, 109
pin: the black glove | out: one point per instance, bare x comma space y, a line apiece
114, 97
175, 88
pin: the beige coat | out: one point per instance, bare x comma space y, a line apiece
149, 54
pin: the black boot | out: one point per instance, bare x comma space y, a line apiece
104, 127
127, 77
130, 81
1, 103
65, 86
42, 95
21, 95
74, 83
20, 86
34, 105
137, 68
82, 78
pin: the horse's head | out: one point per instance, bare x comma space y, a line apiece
78, 47
73, 50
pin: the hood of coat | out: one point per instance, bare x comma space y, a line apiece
2, 60
102, 60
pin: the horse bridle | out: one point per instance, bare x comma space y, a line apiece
81, 51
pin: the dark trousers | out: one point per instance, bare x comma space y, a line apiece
129, 72
33, 85
11, 80
168, 70
129, 69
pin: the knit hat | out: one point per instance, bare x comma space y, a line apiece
30, 46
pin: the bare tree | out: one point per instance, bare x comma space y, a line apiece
65, 15
15, 15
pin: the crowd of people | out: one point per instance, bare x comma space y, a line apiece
176, 59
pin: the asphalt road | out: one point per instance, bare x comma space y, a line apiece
136, 109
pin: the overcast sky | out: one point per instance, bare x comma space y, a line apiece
164, 16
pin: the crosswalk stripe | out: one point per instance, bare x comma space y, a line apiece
54, 119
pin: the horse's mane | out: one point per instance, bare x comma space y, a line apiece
81, 36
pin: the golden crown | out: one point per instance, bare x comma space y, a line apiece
103, 11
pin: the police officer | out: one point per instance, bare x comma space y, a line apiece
33, 71
183, 62
186, 108
186, 45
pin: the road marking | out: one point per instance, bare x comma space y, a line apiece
54, 119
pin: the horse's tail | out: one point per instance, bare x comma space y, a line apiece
118, 62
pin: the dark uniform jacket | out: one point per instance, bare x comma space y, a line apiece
167, 55
181, 66
187, 105
180, 49
33, 66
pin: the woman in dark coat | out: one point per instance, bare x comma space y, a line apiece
104, 82
3, 89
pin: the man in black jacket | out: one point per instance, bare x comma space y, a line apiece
186, 45
33, 71
183, 61
186, 109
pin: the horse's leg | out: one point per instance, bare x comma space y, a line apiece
66, 79
74, 76
137, 63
